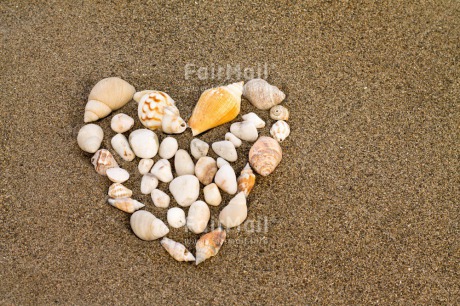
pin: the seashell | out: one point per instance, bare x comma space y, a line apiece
198, 148
106, 96
262, 95
152, 108
121, 145
279, 112
138, 95
246, 180
148, 183
144, 143
160, 199
146, 226
209, 245
226, 150
117, 190
121, 123
172, 123
221, 162
265, 155
205, 169
168, 148
90, 137
117, 175
252, 117
198, 217
233, 139
185, 189
245, 130
212, 195
177, 250
103, 160
176, 217
126, 204
280, 130
216, 106
183, 163
145, 165
226, 179
235, 212
162, 171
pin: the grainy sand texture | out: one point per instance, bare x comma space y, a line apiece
363, 209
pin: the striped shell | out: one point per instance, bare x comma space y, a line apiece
152, 108
118, 190
279, 112
280, 130
126, 204
103, 160
246, 180
209, 244
265, 155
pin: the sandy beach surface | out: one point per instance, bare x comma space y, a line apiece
363, 209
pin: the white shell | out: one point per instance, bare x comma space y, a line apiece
233, 139
226, 179
126, 204
176, 217
168, 147
121, 123
226, 150
117, 175
146, 226
148, 183
245, 130
90, 137
117, 190
138, 95
144, 143
280, 130
183, 163
221, 162
212, 195
235, 212
252, 117
185, 189
145, 165
198, 148
205, 169
279, 112
162, 170
261, 94
172, 123
160, 199
121, 145
177, 250
198, 217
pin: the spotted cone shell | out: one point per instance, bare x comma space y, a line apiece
151, 109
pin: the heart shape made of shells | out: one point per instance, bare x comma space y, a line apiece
157, 111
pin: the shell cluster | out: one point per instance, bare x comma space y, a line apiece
187, 173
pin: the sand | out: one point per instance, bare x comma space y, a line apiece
363, 208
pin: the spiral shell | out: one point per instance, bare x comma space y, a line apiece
146, 226
106, 96
265, 155
118, 190
209, 245
216, 106
246, 180
126, 204
262, 95
172, 123
151, 110
280, 130
103, 160
279, 112
177, 250
90, 137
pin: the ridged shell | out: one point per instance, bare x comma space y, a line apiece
146, 226
216, 106
265, 155
106, 96
90, 137
103, 160
151, 109
262, 95
126, 204
279, 112
177, 250
246, 180
118, 190
280, 130
209, 245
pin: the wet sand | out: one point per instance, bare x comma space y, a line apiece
363, 208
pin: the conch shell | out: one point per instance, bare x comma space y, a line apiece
262, 95
246, 180
126, 204
118, 190
216, 106
157, 106
279, 112
209, 245
280, 130
177, 250
146, 226
103, 160
106, 96
265, 155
